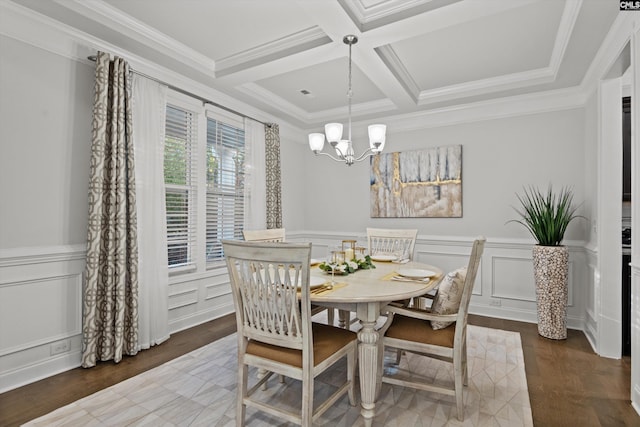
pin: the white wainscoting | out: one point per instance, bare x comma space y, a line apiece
198, 298
41, 310
635, 336
591, 284
504, 287
40, 313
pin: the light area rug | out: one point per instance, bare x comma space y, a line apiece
199, 389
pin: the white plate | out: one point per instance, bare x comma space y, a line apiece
384, 258
415, 273
315, 261
315, 282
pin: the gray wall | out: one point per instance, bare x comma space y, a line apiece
45, 132
45, 140
499, 158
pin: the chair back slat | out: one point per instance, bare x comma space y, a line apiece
264, 280
268, 235
472, 270
383, 241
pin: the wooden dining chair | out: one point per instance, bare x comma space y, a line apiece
275, 332
389, 241
267, 235
392, 242
278, 235
439, 332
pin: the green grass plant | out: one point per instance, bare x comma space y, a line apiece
546, 215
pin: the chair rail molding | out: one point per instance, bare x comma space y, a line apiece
504, 286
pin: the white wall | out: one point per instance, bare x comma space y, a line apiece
44, 171
45, 109
591, 212
43, 250
499, 157
45, 136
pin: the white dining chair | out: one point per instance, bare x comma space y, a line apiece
275, 331
398, 243
439, 332
278, 235
267, 235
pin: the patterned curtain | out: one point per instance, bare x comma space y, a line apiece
110, 312
272, 177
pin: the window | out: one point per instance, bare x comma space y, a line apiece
180, 177
204, 184
225, 185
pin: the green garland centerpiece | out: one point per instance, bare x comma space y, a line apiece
349, 267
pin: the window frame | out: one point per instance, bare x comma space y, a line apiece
202, 113
220, 115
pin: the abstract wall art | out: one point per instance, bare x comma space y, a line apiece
417, 184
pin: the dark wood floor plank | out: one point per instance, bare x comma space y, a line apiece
569, 385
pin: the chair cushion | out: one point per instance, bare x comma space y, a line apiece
447, 300
326, 341
418, 330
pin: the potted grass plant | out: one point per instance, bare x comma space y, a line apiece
547, 215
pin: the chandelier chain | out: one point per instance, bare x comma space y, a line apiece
350, 91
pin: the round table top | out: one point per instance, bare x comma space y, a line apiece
376, 285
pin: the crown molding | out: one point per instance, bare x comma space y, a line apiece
267, 97
25, 25
389, 11
565, 29
390, 58
362, 108
30, 27
108, 15
293, 43
489, 85
493, 84
367, 14
613, 44
519, 105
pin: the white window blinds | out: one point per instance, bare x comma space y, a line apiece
181, 175
204, 161
225, 185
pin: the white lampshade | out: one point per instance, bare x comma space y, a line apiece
342, 146
377, 133
333, 131
316, 141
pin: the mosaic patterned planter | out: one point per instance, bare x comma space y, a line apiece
550, 269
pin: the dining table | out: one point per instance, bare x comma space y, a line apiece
367, 292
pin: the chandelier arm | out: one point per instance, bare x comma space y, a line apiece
328, 155
368, 153
342, 155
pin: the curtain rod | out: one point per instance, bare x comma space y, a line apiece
93, 58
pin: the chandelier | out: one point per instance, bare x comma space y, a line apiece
333, 131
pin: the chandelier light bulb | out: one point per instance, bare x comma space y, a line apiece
377, 137
333, 131
316, 141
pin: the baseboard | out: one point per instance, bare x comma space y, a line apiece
40, 370
525, 316
194, 319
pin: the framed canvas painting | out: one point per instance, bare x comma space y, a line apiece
417, 184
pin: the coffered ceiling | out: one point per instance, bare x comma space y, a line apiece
287, 57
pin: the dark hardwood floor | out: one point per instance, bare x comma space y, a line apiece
569, 385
